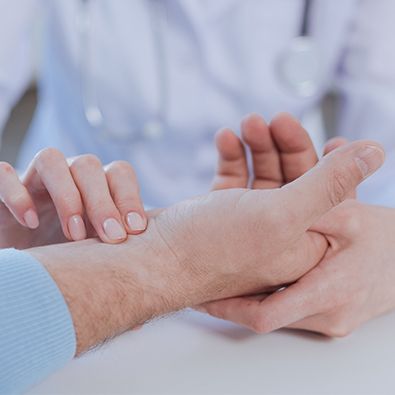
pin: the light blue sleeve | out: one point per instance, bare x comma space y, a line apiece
36, 330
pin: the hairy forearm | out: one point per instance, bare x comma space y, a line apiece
112, 288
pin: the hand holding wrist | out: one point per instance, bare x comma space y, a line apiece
224, 244
242, 241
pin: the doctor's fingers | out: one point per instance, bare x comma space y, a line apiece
332, 324
49, 173
296, 150
237, 309
111, 197
101, 194
316, 303
267, 313
232, 169
265, 155
16, 197
124, 187
246, 311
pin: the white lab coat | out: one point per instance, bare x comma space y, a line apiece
218, 60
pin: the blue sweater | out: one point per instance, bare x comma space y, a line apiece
36, 330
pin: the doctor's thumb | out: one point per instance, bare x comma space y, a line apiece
331, 181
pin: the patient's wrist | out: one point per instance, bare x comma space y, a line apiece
95, 286
112, 288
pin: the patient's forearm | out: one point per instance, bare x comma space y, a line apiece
112, 288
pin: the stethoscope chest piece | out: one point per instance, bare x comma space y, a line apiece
299, 67
153, 130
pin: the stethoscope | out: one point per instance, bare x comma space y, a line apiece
153, 128
298, 69
299, 66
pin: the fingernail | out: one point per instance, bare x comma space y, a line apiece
369, 159
77, 228
31, 219
136, 221
113, 229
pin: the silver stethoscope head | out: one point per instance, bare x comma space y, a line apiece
299, 65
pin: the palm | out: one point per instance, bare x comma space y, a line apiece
280, 153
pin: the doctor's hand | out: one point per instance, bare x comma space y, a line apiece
61, 199
341, 292
352, 284
244, 241
281, 152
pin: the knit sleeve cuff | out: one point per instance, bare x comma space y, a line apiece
37, 335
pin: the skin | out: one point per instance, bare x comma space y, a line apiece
110, 289
281, 152
183, 258
344, 289
268, 242
67, 199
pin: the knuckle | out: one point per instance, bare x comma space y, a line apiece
127, 204
338, 324
338, 186
260, 324
338, 329
101, 209
94, 208
70, 204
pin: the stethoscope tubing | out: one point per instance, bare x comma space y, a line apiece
94, 113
